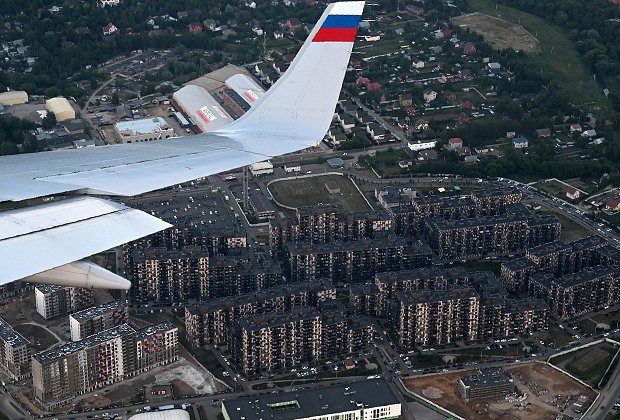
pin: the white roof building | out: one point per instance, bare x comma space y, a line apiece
245, 87
261, 168
200, 108
162, 415
148, 129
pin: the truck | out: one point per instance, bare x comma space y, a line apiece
166, 407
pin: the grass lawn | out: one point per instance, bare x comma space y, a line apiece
559, 58
613, 219
587, 326
311, 191
588, 364
571, 231
557, 336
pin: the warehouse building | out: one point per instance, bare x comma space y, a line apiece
200, 108
13, 97
241, 93
148, 129
370, 399
61, 108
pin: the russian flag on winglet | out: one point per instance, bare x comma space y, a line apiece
338, 28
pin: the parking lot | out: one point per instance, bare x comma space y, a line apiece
197, 204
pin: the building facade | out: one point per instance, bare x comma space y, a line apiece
94, 320
15, 352
54, 301
113, 355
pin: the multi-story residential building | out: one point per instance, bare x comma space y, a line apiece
208, 322
515, 274
269, 342
163, 275
558, 258
325, 224
427, 317
113, 355
364, 299
409, 211
412, 298
54, 301
354, 261
571, 295
15, 352
432, 278
96, 319
369, 399
218, 240
492, 235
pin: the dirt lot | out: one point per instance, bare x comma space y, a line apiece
310, 191
499, 33
532, 378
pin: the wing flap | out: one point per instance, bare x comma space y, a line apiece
37, 244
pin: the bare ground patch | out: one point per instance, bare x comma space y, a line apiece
499, 33
538, 380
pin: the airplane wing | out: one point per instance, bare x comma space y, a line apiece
293, 115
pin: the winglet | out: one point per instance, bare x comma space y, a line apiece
298, 109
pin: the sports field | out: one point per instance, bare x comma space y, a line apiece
310, 191
499, 33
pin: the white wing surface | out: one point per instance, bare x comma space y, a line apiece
293, 115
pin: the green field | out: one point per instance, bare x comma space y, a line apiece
587, 364
559, 58
311, 191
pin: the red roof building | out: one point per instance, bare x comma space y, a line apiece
362, 81
466, 105
454, 143
374, 86
195, 27
612, 204
572, 193
109, 29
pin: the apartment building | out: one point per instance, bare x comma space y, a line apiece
571, 295
354, 261
163, 275
409, 211
558, 258
270, 342
325, 224
492, 235
425, 318
96, 319
208, 323
215, 239
113, 355
53, 301
15, 352
389, 284
401, 297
